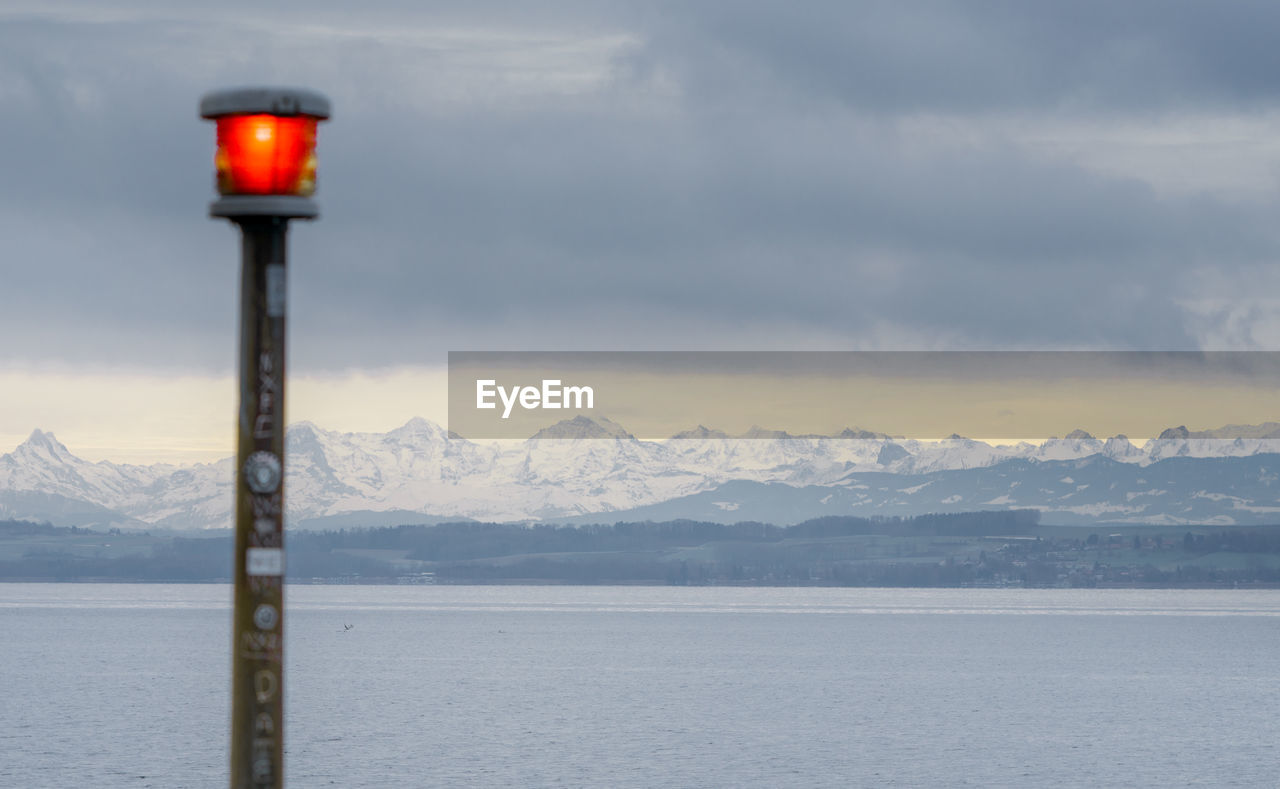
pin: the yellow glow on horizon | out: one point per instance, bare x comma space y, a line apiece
148, 417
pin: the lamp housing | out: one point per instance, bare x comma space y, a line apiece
265, 162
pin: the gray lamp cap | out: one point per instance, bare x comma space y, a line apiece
270, 101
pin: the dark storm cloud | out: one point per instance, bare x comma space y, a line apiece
994, 54
613, 176
593, 212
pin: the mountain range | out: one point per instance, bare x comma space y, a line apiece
418, 473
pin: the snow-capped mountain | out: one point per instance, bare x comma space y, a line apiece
1222, 491
419, 470
42, 463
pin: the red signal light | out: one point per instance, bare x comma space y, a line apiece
264, 154
266, 159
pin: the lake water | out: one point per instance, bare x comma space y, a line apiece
126, 686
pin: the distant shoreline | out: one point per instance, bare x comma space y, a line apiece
1005, 549
1254, 586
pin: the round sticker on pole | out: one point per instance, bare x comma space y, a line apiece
262, 472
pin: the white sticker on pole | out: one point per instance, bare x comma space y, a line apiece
264, 561
275, 290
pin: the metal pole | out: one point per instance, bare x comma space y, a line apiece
265, 175
257, 700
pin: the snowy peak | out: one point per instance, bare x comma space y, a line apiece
1076, 444
860, 434
43, 464
701, 433
583, 427
757, 432
419, 431
1266, 430
889, 453
44, 446
416, 468
1120, 448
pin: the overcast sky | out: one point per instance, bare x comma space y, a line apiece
685, 175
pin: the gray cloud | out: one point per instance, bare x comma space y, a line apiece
950, 55
613, 176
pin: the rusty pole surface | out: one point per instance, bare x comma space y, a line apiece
257, 701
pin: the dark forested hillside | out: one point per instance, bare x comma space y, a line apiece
981, 548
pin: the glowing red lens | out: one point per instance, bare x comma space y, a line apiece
266, 155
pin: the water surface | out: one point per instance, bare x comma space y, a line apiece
126, 686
